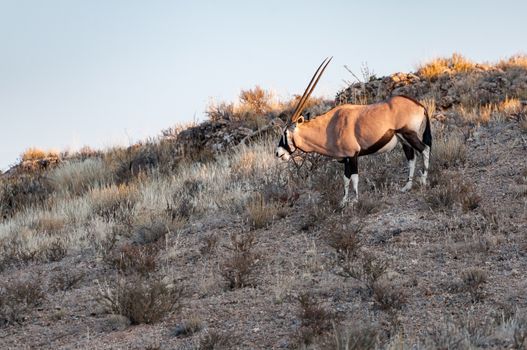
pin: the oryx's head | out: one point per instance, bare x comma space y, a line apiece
286, 146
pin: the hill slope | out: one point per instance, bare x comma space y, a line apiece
196, 241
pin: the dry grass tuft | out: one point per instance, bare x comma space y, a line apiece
77, 177
260, 213
358, 336
448, 152
473, 281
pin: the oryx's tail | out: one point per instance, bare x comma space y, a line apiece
427, 134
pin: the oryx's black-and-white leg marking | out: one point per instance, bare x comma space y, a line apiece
410, 157
350, 174
411, 138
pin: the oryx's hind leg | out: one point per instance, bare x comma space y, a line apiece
410, 157
413, 140
350, 174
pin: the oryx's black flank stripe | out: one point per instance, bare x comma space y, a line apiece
379, 144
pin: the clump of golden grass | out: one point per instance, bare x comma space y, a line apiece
514, 62
443, 66
34, 153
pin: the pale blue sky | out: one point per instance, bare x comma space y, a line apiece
101, 72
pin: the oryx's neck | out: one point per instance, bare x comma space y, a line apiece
312, 136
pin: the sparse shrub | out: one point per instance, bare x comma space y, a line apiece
67, 280
473, 281
48, 223
188, 328
139, 299
388, 296
346, 243
365, 267
56, 250
221, 111
448, 192
18, 297
238, 267
210, 243
314, 319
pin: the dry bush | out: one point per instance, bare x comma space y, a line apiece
315, 320
133, 259
23, 191
237, 269
67, 280
523, 124
77, 177
221, 111
364, 267
472, 282
346, 243
448, 152
49, 223
141, 300
257, 100
18, 297
260, 214
128, 163
388, 296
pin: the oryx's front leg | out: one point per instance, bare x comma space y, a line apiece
350, 174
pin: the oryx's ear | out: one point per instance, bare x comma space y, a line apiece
300, 120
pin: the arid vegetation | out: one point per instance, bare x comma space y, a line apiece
201, 239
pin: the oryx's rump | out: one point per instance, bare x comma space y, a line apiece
350, 130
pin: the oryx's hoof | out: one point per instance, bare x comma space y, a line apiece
422, 181
407, 187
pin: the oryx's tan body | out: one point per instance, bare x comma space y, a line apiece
349, 130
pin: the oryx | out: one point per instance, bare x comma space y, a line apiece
348, 131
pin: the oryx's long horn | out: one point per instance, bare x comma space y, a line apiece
309, 89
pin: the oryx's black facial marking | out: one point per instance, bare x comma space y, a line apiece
284, 143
